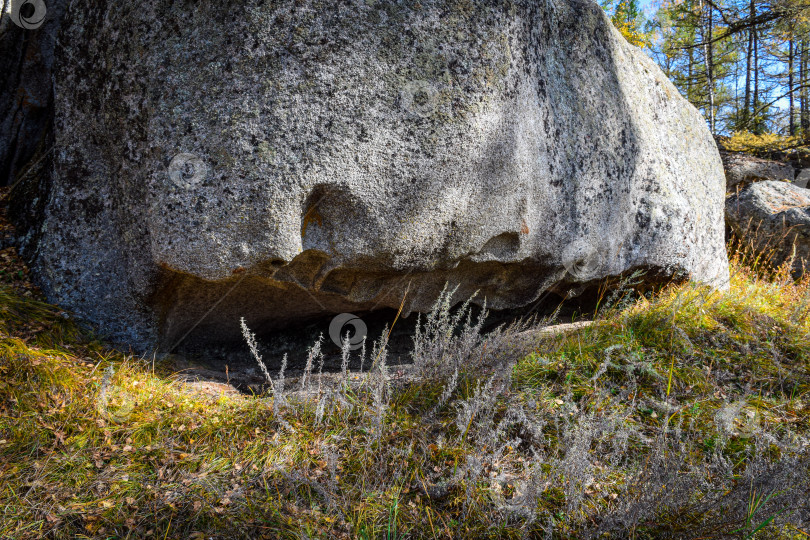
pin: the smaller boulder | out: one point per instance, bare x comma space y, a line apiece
745, 169
774, 219
802, 178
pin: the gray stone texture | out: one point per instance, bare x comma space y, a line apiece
802, 178
291, 159
26, 96
773, 218
744, 169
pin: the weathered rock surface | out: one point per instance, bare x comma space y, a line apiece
744, 169
774, 218
292, 159
802, 178
26, 63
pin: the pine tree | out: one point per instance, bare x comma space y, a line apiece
628, 18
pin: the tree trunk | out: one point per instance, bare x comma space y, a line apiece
737, 87
708, 59
689, 75
747, 101
800, 56
805, 118
755, 98
791, 111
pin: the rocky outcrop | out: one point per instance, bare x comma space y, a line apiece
293, 159
744, 169
774, 219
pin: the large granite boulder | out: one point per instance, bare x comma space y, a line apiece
291, 159
773, 218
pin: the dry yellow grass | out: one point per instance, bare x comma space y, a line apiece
97, 444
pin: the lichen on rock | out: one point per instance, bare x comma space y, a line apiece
343, 152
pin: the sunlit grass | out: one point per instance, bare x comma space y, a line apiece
96, 443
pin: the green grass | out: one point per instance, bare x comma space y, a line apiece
97, 444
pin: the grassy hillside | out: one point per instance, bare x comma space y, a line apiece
684, 414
